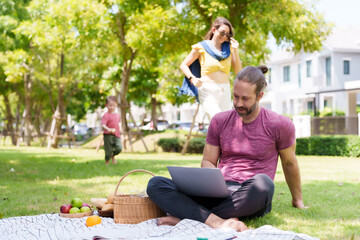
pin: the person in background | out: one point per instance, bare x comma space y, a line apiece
110, 122
214, 56
245, 144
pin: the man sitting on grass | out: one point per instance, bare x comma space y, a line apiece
245, 144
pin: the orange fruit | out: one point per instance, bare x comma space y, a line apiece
93, 220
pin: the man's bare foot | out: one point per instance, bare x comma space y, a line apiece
168, 220
107, 162
217, 222
235, 223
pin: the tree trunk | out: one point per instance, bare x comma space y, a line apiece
27, 111
154, 117
59, 115
10, 120
123, 91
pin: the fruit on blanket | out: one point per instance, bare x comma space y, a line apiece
85, 209
93, 220
74, 210
76, 202
65, 208
86, 205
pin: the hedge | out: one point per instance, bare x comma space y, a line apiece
196, 145
337, 145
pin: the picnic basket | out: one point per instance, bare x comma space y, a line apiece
132, 209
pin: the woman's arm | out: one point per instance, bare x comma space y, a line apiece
193, 55
235, 59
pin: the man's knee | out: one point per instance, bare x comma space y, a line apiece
263, 184
154, 184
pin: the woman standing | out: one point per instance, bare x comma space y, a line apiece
216, 55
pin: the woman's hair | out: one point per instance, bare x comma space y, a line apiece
253, 75
111, 99
216, 24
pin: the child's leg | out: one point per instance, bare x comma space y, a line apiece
117, 146
107, 147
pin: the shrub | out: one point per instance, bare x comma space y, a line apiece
196, 145
302, 146
170, 144
339, 145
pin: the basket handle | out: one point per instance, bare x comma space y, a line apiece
132, 171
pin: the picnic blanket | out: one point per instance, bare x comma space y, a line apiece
52, 226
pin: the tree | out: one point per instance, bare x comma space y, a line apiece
294, 24
145, 31
65, 37
13, 57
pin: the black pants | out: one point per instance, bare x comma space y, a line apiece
112, 146
251, 198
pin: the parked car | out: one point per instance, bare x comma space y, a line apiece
81, 131
161, 125
180, 126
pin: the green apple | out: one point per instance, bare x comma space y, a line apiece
76, 202
85, 209
74, 210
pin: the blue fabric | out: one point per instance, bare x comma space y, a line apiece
187, 87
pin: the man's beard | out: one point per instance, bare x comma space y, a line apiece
248, 111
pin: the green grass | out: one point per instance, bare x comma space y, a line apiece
46, 179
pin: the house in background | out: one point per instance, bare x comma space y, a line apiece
309, 82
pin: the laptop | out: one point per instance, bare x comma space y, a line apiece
200, 182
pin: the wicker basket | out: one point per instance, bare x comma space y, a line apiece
129, 209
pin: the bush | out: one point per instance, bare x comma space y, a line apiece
170, 144
339, 145
302, 146
196, 145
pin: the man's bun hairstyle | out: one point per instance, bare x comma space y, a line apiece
253, 75
264, 69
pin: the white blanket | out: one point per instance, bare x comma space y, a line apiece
52, 226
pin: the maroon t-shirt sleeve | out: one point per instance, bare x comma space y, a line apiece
286, 134
213, 137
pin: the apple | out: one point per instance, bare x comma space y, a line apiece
74, 210
85, 205
85, 209
65, 208
76, 202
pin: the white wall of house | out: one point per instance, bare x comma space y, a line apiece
295, 96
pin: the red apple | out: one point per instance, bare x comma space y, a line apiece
65, 208
85, 205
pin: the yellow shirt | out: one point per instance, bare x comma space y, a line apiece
209, 64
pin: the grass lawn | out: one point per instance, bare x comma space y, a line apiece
43, 180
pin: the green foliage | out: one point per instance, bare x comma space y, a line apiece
196, 145
170, 144
346, 145
328, 112
302, 146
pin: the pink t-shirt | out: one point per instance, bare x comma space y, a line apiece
250, 149
111, 120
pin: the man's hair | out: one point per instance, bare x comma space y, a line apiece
111, 99
253, 75
217, 24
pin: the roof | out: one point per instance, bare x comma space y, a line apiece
345, 39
